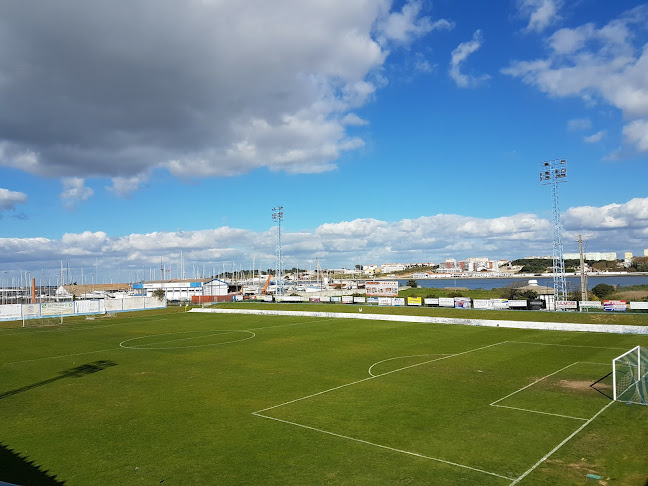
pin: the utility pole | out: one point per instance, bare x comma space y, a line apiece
583, 277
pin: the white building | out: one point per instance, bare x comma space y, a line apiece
596, 256
185, 289
392, 267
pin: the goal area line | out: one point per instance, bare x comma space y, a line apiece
512, 480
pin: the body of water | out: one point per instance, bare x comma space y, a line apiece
573, 283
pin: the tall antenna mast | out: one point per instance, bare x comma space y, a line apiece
553, 172
278, 216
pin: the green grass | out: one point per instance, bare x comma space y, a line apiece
231, 399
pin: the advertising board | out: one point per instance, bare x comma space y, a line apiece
446, 302
11, 310
482, 304
517, 304
289, 298
462, 303
590, 304
57, 308
431, 301
267, 298
615, 305
639, 305
347, 299
567, 304
314, 300
384, 301
359, 300
373, 300
336, 298
398, 301
500, 303
325, 299
414, 301
382, 289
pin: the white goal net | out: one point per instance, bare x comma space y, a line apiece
630, 376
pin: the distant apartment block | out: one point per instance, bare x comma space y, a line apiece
596, 256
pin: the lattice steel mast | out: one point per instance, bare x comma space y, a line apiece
553, 172
278, 216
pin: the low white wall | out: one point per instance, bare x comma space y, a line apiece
549, 326
14, 312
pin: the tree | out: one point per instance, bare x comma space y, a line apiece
159, 294
603, 290
411, 283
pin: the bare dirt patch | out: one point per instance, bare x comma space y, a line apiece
581, 385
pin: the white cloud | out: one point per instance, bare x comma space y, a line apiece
9, 199
541, 13
636, 133
595, 137
125, 186
198, 88
345, 243
353, 120
406, 25
74, 191
459, 56
579, 124
597, 65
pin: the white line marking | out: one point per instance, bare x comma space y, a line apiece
531, 384
408, 356
532, 468
377, 376
148, 347
384, 446
563, 345
538, 411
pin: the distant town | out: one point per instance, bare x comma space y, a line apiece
594, 262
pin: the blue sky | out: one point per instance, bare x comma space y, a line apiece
389, 131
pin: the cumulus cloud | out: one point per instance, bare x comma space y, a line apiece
636, 133
9, 199
198, 88
540, 13
459, 56
406, 25
125, 186
597, 64
335, 244
595, 137
74, 191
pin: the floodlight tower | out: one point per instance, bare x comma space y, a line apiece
552, 172
278, 216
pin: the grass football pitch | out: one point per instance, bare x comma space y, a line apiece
173, 398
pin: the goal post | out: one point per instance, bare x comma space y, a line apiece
630, 376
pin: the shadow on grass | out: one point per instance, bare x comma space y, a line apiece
86, 369
16, 469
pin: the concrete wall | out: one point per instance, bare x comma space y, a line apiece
549, 326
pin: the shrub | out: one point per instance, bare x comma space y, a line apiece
603, 290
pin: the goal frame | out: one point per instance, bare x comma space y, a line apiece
640, 369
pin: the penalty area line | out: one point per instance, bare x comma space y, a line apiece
393, 449
548, 455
